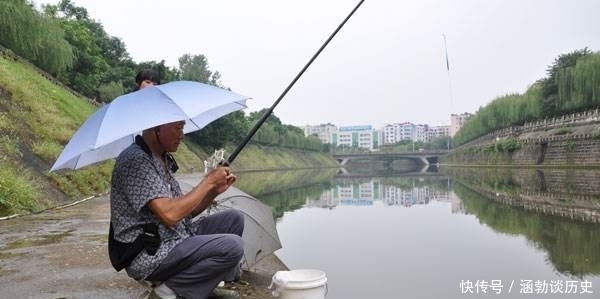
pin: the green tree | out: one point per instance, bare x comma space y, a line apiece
586, 81
34, 37
90, 63
195, 68
101, 60
550, 102
109, 91
228, 129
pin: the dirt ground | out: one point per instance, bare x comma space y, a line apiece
62, 253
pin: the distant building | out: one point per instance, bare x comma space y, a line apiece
438, 131
457, 121
323, 132
356, 137
420, 133
394, 133
365, 137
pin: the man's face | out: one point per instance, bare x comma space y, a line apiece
171, 135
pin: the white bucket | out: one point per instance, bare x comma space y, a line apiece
299, 284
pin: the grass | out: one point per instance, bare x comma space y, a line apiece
39, 117
17, 193
9, 148
187, 160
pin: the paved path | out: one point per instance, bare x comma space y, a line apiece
63, 254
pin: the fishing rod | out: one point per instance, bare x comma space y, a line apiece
270, 111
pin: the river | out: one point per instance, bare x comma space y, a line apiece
448, 233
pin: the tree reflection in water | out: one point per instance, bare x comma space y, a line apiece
557, 210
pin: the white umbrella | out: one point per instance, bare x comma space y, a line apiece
260, 232
113, 127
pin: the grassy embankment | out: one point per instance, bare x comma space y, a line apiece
38, 117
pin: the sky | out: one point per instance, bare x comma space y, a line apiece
386, 65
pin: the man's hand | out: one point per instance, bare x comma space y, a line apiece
220, 179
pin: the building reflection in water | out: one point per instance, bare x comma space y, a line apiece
373, 191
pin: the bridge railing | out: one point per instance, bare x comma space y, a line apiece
387, 153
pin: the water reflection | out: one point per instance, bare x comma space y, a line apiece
569, 193
285, 190
542, 206
399, 191
557, 211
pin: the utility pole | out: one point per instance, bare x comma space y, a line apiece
449, 87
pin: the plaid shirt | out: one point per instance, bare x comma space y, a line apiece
137, 179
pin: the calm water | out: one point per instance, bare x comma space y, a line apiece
451, 235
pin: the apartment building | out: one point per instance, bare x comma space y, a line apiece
437, 131
323, 132
356, 137
457, 121
394, 133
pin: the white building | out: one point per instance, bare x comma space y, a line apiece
457, 121
420, 133
388, 134
394, 133
356, 137
323, 132
438, 131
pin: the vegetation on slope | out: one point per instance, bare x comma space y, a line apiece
572, 85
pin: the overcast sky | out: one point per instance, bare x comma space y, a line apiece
386, 65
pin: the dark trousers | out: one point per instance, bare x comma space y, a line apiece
197, 265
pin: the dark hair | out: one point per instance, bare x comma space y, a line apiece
146, 74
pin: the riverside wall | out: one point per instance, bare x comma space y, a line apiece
569, 140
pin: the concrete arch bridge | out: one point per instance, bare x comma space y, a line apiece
422, 157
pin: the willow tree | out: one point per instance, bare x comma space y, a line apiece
586, 81
34, 37
551, 102
578, 84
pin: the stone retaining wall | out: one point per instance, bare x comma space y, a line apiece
569, 140
559, 152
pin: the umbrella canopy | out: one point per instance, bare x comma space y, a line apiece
260, 233
113, 127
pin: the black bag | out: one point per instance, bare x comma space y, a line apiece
121, 254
